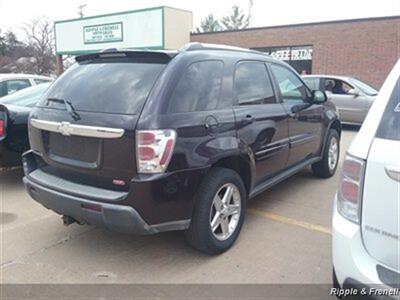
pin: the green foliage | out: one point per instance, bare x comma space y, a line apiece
209, 24
237, 19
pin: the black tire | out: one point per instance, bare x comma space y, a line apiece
200, 235
322, 168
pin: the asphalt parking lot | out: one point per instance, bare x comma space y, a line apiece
285, 239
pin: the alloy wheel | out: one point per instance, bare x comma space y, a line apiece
333, 154
225, 211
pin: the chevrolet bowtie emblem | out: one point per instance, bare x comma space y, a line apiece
65, 128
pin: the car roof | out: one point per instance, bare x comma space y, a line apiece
22, 76
200, 48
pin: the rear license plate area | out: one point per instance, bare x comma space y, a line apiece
73, 150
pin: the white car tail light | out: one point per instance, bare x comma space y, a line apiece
154, 150
350, 188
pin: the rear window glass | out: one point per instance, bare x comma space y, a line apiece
389, 128
119, 87
199, 88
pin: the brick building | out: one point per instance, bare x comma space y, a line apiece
364, 48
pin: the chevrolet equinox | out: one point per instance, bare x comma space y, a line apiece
150, 141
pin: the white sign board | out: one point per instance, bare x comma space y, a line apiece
102, 33
133, 29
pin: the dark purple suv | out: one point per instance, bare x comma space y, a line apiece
146, 141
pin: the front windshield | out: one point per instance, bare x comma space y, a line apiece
26, 97
365, 88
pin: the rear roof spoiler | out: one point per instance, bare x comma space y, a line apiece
161, 56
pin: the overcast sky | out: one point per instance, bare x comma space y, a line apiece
13, 13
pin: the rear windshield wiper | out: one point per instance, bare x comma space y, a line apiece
68, 105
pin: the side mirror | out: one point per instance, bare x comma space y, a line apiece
353, 92
319, 96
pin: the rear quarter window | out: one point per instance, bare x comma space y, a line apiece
198, 89
389, 127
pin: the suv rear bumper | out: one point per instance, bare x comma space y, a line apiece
88, 205
353, 265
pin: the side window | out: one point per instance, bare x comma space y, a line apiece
199, 88
336, 86
390, 122
290, 86
252, 84
16, 85
39, 81
312, 83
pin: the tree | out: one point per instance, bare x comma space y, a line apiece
40, 40
236, 20
11, 49
209, 24
3, 45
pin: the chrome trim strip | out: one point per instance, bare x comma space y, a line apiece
299, 140
272, 149
66, 128
393, 173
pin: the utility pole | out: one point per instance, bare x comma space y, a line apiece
250, 13
80, 10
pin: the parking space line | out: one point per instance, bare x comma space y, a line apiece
289, 221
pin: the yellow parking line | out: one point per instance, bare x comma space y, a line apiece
289, 221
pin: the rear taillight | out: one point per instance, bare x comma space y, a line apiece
2, 128
350, 188
154, 149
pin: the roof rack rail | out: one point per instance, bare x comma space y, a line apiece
203, 46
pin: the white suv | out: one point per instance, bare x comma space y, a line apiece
366, 224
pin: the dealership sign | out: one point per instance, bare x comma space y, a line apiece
102, 33
292, 54
289, 53
151, 28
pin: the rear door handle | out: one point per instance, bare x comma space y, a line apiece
393, 172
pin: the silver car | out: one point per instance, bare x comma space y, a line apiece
352, 97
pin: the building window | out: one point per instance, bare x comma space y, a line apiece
299, 57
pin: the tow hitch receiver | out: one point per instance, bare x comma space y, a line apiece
67, 220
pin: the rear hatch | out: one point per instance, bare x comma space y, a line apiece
381, 197
84, 126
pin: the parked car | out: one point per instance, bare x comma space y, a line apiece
352, 97
14, 112
145, 142
366, 228
10, 83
